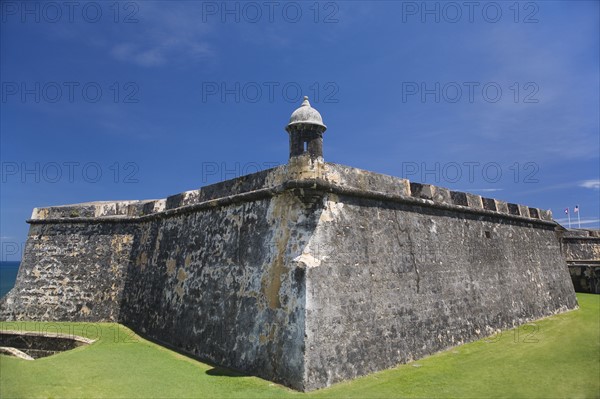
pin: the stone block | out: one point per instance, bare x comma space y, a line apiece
533, 213
423, 191
545, 214
489, 204
502, 206
513, 209
459, 198
474, 201
175, 201
441, 195
524, 211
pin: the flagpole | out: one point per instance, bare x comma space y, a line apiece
569, 215
578, 217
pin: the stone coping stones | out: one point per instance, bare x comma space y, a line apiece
321, 175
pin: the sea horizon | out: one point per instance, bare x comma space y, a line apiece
8, 275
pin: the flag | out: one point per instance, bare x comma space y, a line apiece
576, 210
566, 211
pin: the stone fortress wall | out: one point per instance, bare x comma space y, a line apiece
306, 274
581, 248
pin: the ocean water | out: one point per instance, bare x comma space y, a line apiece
8, 275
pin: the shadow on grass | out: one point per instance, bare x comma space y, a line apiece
216, 371
223, 372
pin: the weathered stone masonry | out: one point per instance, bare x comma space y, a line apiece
306, 274
581, 249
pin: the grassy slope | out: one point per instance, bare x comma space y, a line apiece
559, 357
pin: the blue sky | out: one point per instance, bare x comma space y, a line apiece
138, 100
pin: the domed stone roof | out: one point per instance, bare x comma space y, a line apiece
306, 115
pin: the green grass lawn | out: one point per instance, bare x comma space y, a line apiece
555, 357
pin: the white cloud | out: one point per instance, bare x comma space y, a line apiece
575, 222
593, 184
485, 190
165, 35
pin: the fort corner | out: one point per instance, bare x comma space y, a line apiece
306, 274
